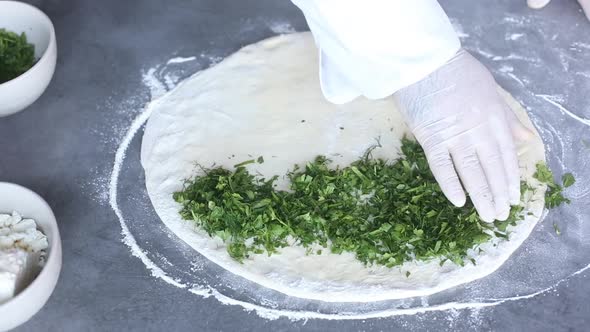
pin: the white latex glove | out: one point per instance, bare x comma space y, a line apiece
466, 130
537, 4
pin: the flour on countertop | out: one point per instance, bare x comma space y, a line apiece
472, 305
181, 60
157, 88
459, 29
514, 36
281, 28
198, 123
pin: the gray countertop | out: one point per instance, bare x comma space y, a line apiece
63, 147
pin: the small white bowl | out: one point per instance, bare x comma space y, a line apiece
20, 92
30, 300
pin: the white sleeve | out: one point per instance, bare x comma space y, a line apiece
376, 47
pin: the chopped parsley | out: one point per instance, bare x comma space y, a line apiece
386, 213
16, 55
568, 180
554, 194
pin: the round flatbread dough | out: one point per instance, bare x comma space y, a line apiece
265, 100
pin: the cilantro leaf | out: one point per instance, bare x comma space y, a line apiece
554, 194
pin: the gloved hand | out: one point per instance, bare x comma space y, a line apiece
537, 4
466, 130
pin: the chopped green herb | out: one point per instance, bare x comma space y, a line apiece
554, 194
16, 55
568, 180
543, 173
244, 163
386, 213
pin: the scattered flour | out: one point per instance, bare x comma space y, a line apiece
459, 29
579, 45
551, 100
181, 60
514, 77
513, 56
506, 69
281, 28
198, 122
213, 59
514, 36
157, 88
206, 291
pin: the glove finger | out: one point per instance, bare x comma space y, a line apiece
537, 4
510, 154
474, 179
444, 172
492, 163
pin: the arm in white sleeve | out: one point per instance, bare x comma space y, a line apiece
376, 47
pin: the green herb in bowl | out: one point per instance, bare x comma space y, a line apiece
16, 55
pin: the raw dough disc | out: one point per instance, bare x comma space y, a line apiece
265, 100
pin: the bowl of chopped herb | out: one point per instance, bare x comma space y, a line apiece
28, 55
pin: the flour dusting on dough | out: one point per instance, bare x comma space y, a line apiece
205, 289
198, 123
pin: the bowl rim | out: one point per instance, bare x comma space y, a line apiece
54, 248
49, 45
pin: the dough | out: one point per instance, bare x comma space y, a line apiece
265, 100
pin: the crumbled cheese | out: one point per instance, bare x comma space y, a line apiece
18, 268
16, 232
21, 253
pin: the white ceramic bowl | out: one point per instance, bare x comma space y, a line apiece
19, 93
30, 300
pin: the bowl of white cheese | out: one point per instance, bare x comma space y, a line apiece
30, 254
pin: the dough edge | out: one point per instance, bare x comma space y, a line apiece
326, 277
